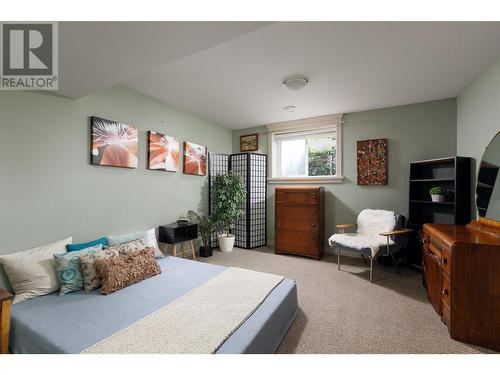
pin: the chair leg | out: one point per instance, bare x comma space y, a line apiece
392, 256
371, 269
338, 258
395, 263
364, 260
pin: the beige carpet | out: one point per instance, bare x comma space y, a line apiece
341, 312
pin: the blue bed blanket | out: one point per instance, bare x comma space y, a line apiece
75, 321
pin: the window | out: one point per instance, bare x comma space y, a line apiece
306, 150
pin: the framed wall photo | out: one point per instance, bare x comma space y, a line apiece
163, 152
195, 159
249, 142
372, 162
113, 143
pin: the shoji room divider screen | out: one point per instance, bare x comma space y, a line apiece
251, 229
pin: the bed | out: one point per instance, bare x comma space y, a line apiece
76, 321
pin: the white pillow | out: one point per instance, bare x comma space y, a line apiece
152, 242
32, 272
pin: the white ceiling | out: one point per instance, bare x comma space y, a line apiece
231, 73
95, 55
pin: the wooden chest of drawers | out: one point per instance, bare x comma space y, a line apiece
462, 276
299, 221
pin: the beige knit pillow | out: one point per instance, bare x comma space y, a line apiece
127, 269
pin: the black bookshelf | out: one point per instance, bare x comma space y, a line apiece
452, 174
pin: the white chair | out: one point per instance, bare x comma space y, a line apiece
375, 229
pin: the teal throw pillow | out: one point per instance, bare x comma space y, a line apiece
80, 246
69, 272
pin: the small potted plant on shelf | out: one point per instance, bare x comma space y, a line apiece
228, 197
438, 194
206, 226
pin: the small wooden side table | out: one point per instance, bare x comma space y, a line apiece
177, 233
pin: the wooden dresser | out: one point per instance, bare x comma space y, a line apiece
299, 221
461, 267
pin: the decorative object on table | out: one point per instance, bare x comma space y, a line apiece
249, 142
163, 152
251, 229
113, 143
195, 159
438, 194
372, 162
182, 221
175, 233
228, 196
206, 226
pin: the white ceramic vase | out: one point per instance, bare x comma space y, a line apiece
226, 243
437, 198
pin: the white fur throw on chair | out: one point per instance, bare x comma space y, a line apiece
370, 224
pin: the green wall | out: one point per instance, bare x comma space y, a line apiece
415, 132
478, 117
50, 191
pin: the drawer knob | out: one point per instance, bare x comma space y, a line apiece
445, 261
445, 291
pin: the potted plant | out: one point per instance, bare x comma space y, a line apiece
228, 197
437, 194
206, 226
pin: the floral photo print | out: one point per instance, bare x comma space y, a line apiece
195, 159
113, 143
163, 152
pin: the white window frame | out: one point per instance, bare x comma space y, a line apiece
314, 124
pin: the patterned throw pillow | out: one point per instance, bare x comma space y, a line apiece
68, 269
91, 279
119, 272
127, 247
148, 236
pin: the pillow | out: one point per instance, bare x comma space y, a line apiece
68, 269
90, 276
80, 246
119, 272
148, 236
31, 272
127, 247
152, 242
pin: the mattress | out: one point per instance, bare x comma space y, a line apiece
75, 321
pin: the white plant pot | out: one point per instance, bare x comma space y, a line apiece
437, 198
226, 243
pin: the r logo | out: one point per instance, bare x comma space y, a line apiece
27, 49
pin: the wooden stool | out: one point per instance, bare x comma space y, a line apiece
183, 253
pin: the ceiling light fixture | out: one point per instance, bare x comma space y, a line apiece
290, 108
295, 82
